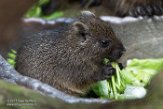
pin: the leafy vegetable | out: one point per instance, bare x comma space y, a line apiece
130, 82
141, 71
134, 92
11, 56
101, 88
54, 15
36, 11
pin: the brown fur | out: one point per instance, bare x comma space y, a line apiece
130, 7
127, 5
70, 58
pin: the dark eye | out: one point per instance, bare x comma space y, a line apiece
104, 43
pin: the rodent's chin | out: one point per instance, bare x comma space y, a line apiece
113, 59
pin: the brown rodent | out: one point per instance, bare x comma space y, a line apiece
135, 7
70, 58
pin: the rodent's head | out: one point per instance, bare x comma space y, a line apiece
96, 38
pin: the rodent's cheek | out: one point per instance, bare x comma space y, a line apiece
104, 53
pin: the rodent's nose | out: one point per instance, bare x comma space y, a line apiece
116, 54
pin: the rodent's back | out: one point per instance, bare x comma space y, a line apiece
36, 51
46, 56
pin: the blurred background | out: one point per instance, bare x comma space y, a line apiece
12, 12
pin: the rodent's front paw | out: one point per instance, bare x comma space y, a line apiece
120, 66
146, 11
108, 71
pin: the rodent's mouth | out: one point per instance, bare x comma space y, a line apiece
112, 59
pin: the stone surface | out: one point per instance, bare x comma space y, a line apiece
142, 38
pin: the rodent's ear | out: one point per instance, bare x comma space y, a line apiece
87, 14
81, 30
80, 27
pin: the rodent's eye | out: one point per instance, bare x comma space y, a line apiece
104, 43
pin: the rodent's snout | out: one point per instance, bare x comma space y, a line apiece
117, 53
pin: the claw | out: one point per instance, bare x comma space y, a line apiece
120, 66
141, 10
149, 11
146, 11
157, 10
